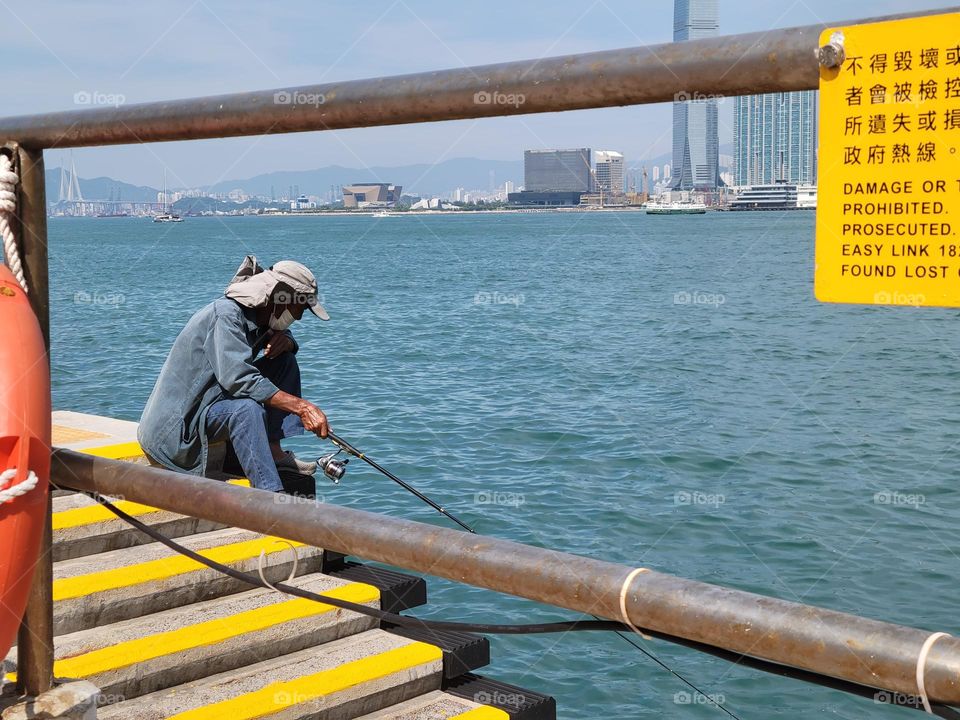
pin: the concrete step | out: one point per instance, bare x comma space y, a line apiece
145, 654
132, 582
340, 680
438, 705
82, 526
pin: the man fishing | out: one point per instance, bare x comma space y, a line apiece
213, 387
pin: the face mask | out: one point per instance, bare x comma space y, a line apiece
279, 324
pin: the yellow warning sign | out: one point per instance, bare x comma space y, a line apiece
888, 196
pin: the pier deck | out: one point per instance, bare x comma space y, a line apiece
163, 636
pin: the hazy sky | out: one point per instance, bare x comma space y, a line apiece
147, 51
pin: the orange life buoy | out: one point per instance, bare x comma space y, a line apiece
24, 446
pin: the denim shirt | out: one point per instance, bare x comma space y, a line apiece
211, 359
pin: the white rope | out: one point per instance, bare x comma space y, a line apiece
21, 488
921, 668
8, 211
624, 590
293, 572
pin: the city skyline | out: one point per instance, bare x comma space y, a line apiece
183, 49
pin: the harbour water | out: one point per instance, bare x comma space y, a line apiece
656, 391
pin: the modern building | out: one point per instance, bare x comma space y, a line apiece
556, 198
371, 195
696, 142
557, 170
775, 138
554, 177
609, 171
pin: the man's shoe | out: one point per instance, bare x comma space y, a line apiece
289, 461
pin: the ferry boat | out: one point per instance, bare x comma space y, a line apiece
675, 208
167, 217
779, 196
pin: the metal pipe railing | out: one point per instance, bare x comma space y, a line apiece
772, 61
859, 650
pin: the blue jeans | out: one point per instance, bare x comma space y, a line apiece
250, 427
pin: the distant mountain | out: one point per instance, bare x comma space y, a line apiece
422, 179
101, 188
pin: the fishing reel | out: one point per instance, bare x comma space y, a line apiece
332, 467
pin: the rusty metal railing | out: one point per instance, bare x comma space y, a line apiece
773, 61
863, 651
859, 650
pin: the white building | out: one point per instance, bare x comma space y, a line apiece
609, 170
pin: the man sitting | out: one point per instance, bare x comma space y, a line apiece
213, 387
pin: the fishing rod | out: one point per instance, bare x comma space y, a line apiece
334, 469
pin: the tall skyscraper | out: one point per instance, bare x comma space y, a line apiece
696, 142
609, 170
775, 138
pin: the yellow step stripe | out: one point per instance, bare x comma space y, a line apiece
279, 695
80, 585
482, 713
77, 517
206, 633
92, 514
118, 451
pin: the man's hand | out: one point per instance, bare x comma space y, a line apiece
277, 345
313, 418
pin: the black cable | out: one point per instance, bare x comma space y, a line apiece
393, 619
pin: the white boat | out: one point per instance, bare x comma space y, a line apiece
166, 215
383, 213
675, 208
778, 196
